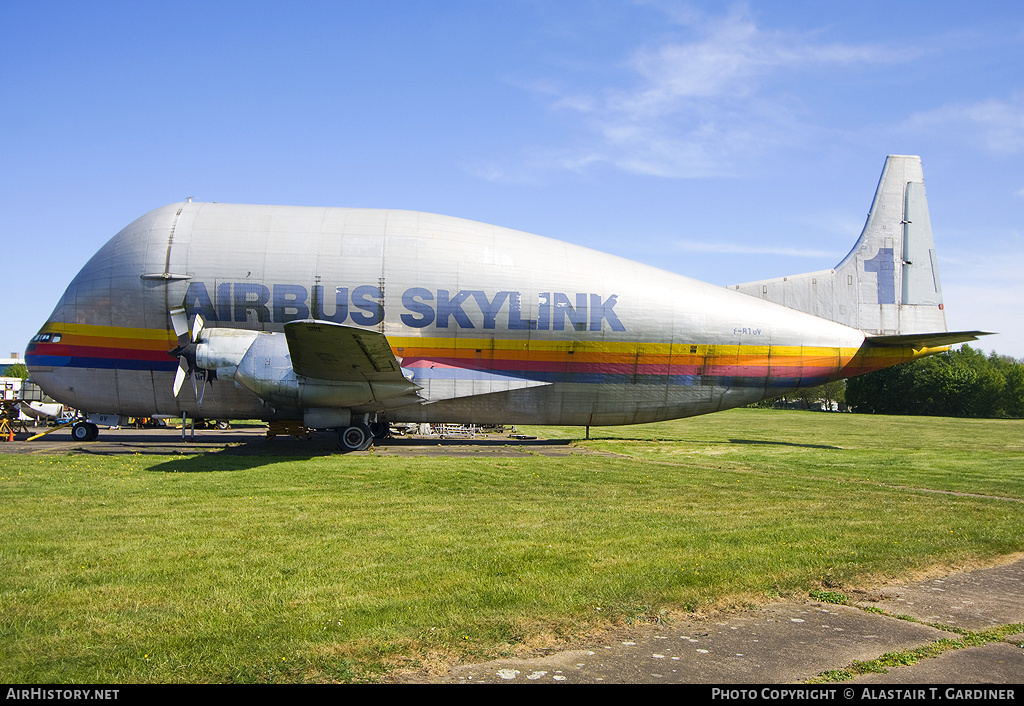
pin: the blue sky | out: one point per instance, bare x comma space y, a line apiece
725, 142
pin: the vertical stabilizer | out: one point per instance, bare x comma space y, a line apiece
889, 282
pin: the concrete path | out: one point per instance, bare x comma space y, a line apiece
794, 642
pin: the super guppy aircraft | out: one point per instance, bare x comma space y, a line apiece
349, 319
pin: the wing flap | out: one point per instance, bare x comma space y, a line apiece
329, 351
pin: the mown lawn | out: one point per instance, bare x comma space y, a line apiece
224, 568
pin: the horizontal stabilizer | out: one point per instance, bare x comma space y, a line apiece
926, 340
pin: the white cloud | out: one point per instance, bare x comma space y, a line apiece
737, 249
996, 126
703, 105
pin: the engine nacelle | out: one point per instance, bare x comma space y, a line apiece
266, 370
222, 349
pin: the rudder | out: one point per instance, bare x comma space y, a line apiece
888, 284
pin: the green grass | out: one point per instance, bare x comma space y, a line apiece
903, 658
224, 568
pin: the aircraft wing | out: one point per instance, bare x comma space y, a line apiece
329, 351
926, 340
325, 350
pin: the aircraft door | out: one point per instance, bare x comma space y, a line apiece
687, 371
689, 376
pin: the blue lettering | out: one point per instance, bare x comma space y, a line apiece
368, 299
290, 303
490, 309
544, 311
515, 316
425, 311
577, 315
340, 305
197, 301
253, 302
250, 296
224, 301
603, 310
884, 264
447, 307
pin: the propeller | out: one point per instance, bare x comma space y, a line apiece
188, 340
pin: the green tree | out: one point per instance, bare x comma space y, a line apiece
828, 393
15, 370
959, 383
1013, 392
880, 392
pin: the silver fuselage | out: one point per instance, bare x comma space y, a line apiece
493, 325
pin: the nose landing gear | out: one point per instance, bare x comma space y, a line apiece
85, 431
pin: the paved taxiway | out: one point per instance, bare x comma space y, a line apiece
786, 642
792, 642
252, 441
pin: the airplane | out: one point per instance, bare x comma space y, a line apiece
349, 319
41, 411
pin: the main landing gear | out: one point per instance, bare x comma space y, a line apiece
359, 435
356, 437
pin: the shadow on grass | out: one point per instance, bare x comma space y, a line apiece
784, 443
256, 452
223, 461
406, 441
683, 442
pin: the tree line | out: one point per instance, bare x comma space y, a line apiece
958, 383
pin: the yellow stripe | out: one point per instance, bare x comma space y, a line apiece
612, 351
630, 348
108, 332
537, 349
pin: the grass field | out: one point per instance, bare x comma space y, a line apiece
219, 568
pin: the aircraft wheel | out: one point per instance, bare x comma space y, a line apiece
380, 430
223, 424
355, 438
85, 431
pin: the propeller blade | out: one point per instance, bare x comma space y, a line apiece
197, 328
179, 375
187, 340
179, 320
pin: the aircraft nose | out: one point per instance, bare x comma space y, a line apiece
45, 350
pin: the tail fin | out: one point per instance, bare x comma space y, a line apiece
889, 283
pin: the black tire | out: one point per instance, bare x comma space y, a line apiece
356, 437
84, 431
380, 430
223, 424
